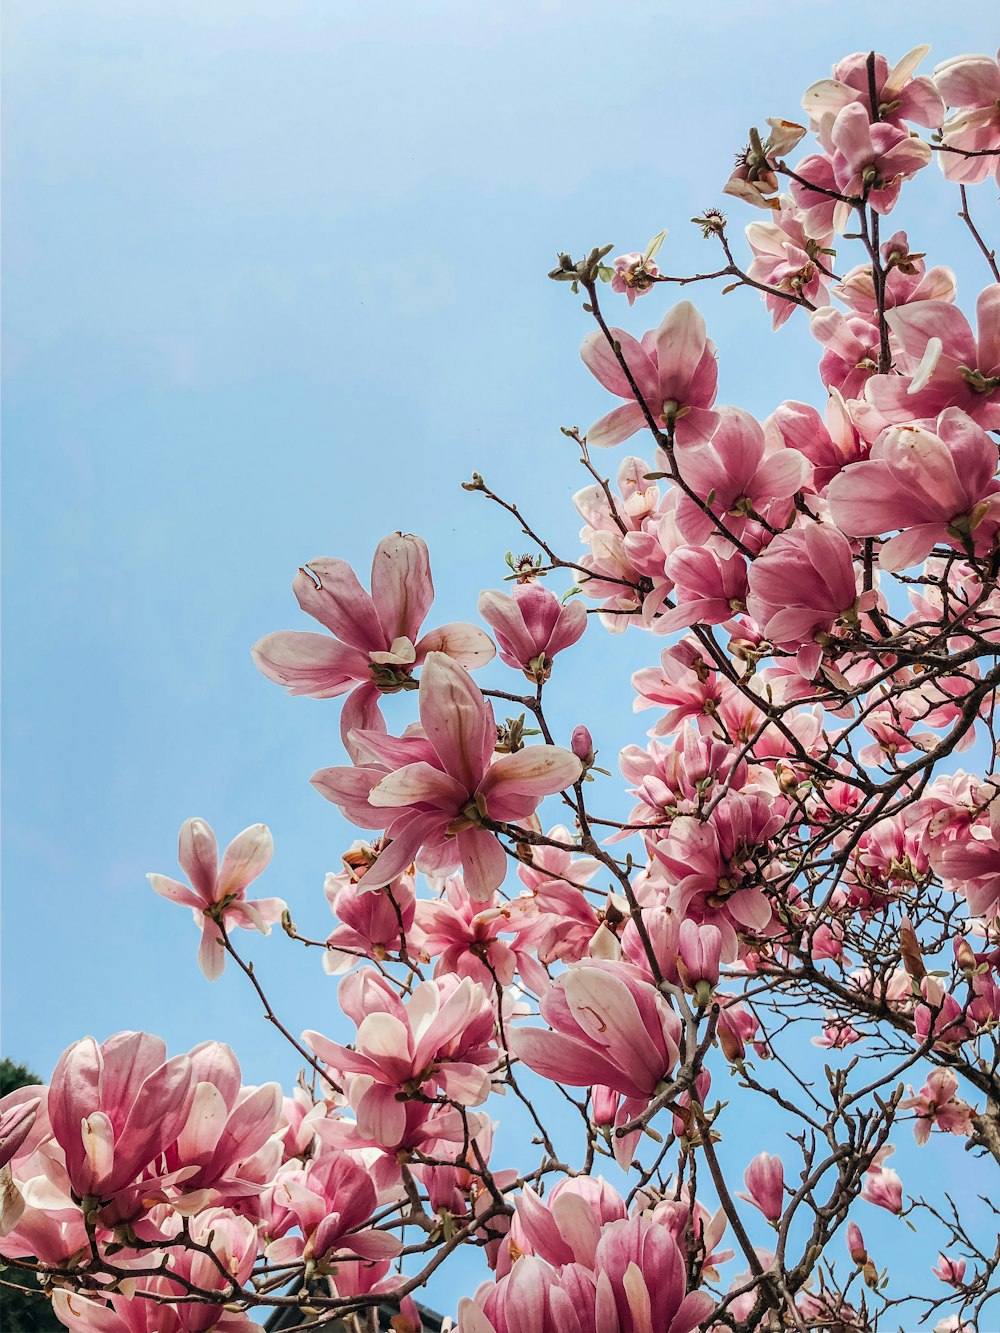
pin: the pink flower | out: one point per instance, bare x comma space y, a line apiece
329, 1200
801, 586
674, 370
433, 793
219, 894
441, 1038
636, 1285
874, 159
830, 442
950, 1270
787, 259
376, 640
700, 952
883, 1186
765, 1182
936, 1104
708, 589
740, 477
634, 275
467, 942
971, 85
899, 95
971, 866
116, 1107
221, 1145
15, 1125
532, 626
942, 363
607, 1028
852, 350
373, 924
936, 487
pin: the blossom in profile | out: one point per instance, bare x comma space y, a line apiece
933, 486
673, 368
971, 134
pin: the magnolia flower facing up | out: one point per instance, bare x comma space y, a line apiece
218, 894
376, 643
434, 793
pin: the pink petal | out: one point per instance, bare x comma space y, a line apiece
310, 664
329, 591
456, 719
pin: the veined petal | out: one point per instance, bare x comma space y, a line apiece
402, 588
419, 783
309, 664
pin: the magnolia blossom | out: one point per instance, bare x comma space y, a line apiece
376, 641
936, 486
901, 95
531, 626
115, 1107
801, 585
674, 371
218, 894
942, 362
607, 1027
442, 1037
936, 1104
883, 1186
433, 793
971, 86
765, 1182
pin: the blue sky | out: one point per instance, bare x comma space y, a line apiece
275, 284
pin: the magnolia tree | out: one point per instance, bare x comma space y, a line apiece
795, 927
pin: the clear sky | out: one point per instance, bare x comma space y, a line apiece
275, 284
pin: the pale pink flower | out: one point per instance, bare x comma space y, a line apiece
116, 1107
442, 1037
465, 938
942, 363
851, 355
873, 160
788, 259
375, 924
971, 86
218, 894
907, 279
754, 179
883, 1186
936, 486
433, 792
936, 1104
950, 1270
708, 589
532, 626
765, 1182
683, 684
376, 643
607, 1028
674, 371
900, 94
